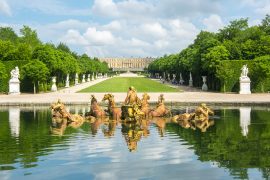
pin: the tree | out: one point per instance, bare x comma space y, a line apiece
261, 70
265, 25
233, 29
8, 34
63, 47
213, 57
36, 71
3, 73
30, 37
7, 50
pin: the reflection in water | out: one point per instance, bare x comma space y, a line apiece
244, 119
161, 148
14, 120
132, 133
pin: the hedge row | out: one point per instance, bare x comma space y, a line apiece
228, 72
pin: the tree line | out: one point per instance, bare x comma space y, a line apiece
214, 55
39, 61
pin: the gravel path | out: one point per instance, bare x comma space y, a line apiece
189, 96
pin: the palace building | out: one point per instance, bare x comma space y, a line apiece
127, 64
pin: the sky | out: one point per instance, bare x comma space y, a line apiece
127, 28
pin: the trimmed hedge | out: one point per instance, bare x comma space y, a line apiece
228, 72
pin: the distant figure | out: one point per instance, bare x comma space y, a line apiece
244, 71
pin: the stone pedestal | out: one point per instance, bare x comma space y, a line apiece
14, 86
244, 85
83, 78
204, 86
88, 78
92, 78
67, 81
76, 79
54, 87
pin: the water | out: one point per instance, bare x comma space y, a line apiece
237, 146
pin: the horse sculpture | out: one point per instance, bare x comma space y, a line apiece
59, 111
112, 110
145, 104
96, 110
61, 118
161, 109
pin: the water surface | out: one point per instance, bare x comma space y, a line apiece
236, 146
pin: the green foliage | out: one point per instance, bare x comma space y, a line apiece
8, 66
58, 61
36, 71
29, 37
205, 57
214, 57
63, 47
8, 34
228, 72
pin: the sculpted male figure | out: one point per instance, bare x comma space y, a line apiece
131, 96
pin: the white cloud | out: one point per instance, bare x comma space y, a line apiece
260, 7
51, 7
113, 26
213, 23
154, 29
4, 8
96, 37
138, 43
105, 8
74, 37
182, 29
262, 10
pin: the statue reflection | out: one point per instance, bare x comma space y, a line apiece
132, 133
198, 119
161, 124
14, 120
244, 119
109, 128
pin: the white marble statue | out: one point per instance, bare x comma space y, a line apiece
67, 81
15, 74
76, 79
181, 81
244, 81
54, 87
190, 80
83, 78
14, 82
244, 71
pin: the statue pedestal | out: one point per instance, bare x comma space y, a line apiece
190, 83
14, 87
244, 85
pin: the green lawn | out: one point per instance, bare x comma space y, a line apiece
121, 84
